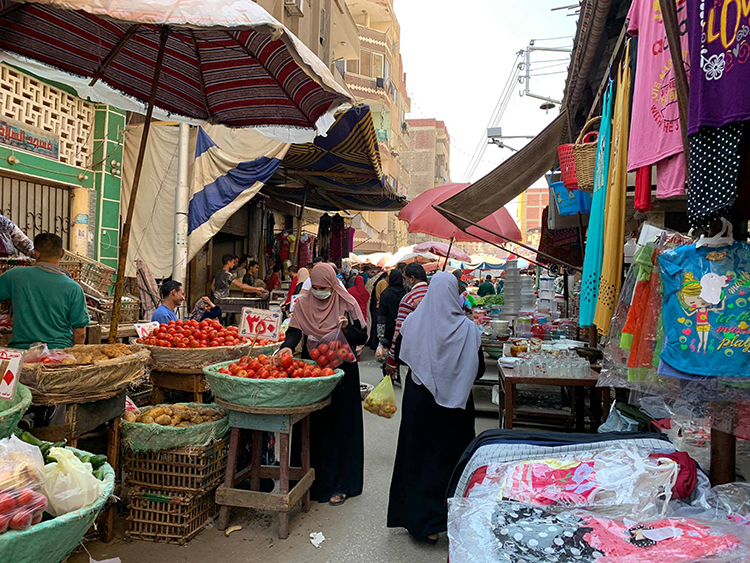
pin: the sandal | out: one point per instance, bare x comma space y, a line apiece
341, 500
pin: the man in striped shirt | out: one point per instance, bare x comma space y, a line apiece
416, 281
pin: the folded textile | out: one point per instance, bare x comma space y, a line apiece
687, 476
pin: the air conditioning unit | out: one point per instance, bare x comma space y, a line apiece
404, 126
380, 83
294, 8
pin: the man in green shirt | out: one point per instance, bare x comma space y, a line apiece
487, 288
48, 306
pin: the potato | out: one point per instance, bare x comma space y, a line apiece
164, 420
184, 424
196, 419
168, 411
176, 420
130, 416
145, 419
156, 412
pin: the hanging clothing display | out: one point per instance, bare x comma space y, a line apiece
706, 315
671, 175
655, 131
324, 236
305, 254
643, 189
592, 262
719, 52
614, 222
337, 239
714, 170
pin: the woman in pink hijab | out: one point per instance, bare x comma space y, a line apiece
336, 432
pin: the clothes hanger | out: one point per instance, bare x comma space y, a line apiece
724, 238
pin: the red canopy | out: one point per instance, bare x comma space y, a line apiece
422, 218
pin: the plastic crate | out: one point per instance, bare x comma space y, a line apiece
169, 518
189, 470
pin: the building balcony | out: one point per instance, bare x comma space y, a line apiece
344, 33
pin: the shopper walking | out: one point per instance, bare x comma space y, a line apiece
442, 348
336, 432
390, 300
359, 292
487, 287
374, 289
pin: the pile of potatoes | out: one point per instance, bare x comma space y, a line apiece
178, 416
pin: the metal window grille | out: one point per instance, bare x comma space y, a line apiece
36, 208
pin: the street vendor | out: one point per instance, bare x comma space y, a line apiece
224, 280
172, 296
12, 239
48, 306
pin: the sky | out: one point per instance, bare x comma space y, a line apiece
458, 57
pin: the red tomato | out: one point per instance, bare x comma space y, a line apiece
21, 520
314, 354
254, 365
342, 353
350, 358
234, 368
39, 502
322, 361
331, 355
287, 361
251, 374
37, 517
4, 521
24, 498
317, 371
263, 359
7, 504
264, 374
327, 372
299, 373
242, 373
335, 363
323, 348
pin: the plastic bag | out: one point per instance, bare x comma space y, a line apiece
69, 483
21, 478
332, 350
39, 353
381, 354
382, 400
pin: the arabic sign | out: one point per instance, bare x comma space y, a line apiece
262, 323
10, 369
27, 138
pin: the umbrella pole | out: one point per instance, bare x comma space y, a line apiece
125, 238
299, 223
445, 264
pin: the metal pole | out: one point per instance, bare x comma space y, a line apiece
299, 225
181, 203
125, 238
447, 254
672, 29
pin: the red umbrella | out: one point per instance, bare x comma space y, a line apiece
443, 249
423, 218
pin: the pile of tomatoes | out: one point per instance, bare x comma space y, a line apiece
193, 334
264, 367
20, 509
332, 354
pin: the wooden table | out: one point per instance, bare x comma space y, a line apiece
600, 395
267, 420
188, 380
82, 418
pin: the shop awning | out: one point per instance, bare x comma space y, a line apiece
339, 171
507, 181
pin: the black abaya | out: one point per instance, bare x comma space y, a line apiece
431, 440
337, 445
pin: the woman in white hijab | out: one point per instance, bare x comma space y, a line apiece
442, 348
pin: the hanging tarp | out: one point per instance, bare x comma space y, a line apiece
222, 184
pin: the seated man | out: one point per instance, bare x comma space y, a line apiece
48, 306
172, 296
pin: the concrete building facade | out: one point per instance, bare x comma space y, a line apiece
531, 204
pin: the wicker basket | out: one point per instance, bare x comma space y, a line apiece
584, 150
93, 273
13, 410
168, 359
101, 379
183, 470
169, 518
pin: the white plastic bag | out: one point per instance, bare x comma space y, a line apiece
69, 483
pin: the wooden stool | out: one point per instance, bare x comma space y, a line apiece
260, 420
189, 380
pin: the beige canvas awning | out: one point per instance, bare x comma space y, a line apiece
507, 181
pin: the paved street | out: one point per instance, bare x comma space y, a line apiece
355, 532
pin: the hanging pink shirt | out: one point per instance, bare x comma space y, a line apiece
655, 121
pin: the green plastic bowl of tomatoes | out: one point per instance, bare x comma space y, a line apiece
284, 392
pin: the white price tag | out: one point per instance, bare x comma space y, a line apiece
10, 371
144, 329
262, 323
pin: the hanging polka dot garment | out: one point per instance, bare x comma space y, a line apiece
714, 168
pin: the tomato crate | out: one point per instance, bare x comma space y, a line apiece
169, 518
195, 469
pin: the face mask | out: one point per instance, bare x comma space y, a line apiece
323, 295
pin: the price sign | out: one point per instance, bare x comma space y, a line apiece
262, 323
144, 329
10, 371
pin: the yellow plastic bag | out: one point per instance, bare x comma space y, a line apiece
382, 400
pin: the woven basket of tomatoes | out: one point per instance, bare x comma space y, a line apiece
193, 345
257, 382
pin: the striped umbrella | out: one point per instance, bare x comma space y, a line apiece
224, 61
